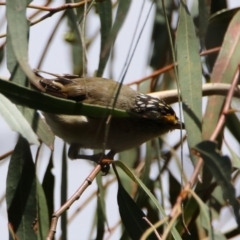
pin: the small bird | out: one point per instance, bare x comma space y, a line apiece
149, 117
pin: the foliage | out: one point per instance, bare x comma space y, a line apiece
175, 187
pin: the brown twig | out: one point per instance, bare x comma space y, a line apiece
88, 181
152, 228
113, 229
176, 209
54, 9
227, 105
171, 66
7, 154
79, 209
208, 89
51, 11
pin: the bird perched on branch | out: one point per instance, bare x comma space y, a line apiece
148, 118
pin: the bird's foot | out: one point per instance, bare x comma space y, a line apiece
97, 158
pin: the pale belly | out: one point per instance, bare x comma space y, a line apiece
94, 133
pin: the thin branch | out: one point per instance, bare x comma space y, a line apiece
152, 228
171, 66
51, 11
86, 202
5, 155
88, 181
176, 209
208, 89
227, 105
54, 9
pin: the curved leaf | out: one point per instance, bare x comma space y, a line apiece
223, 71
217, 27
123, 7
105, 14
221, 169
36, 100
151, 196
21, 191
18, 30
16, 121
190, 75
43, 214
131, 215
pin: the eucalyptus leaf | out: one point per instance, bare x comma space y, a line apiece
37, 100
174, 232
16, 121
190, 75
221, 168
21, 191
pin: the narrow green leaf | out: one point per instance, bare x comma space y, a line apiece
151, 196
129, 157
18, 30
36, 100
43, 214
204, 12
18, 76
76, 43
48, 188
21, 191
205, 219
131, 215
190, 75
217, 27
123, 8
101, 210
235, 158
145, 174
64, 183
174, 188
1, 53
16, 120
160, 39
223, 71
233, 123
221, 169
105, 13
39, 126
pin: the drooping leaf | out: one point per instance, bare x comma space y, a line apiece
204, 214
160, 38
21, 192
43, 214
47, 103
101, 209
131, 215
123, 7
76, 42
217, 27
232, 123
224, 69
203, 16
18, 30
220, 166
17, 53
151, 196
16, 121
48, 188
105, 13
190, 75
64, 184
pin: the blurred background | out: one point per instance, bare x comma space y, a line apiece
142, 27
